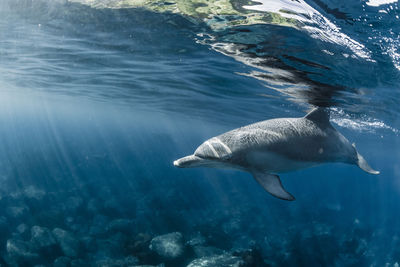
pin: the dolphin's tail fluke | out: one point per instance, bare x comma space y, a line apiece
362, 163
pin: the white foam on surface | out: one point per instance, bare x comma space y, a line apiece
380, 2
392, 49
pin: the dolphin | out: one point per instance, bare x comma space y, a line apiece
276, 146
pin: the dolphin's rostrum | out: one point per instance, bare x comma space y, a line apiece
275, 146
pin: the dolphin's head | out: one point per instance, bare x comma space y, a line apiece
213, 149
212, 153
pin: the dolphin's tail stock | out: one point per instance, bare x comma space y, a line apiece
362, 163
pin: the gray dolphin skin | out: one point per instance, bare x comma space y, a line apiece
275, 146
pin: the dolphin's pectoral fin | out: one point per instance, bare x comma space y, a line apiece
362, 163
272, 184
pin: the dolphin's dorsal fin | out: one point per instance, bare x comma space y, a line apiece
319, 116
272, 184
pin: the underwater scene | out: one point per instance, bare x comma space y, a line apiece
116, 141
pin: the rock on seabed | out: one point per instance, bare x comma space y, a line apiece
68, 243
42, 237
169, 246
224, 260
19, 250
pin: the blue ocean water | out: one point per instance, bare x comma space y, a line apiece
97, 102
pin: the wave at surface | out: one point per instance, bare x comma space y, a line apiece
324, 29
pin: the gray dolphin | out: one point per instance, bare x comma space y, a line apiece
275, 146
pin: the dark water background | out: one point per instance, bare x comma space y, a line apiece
97, 103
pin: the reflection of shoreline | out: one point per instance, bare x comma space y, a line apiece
222, 14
